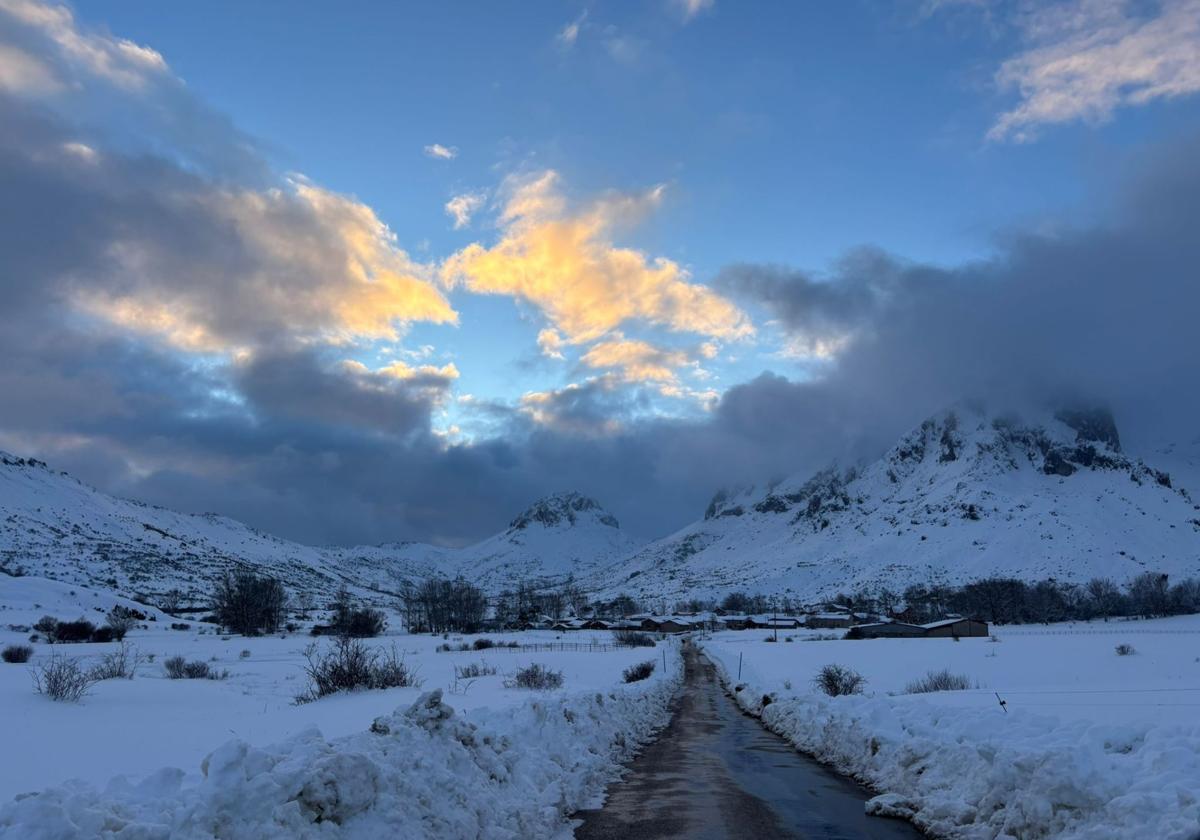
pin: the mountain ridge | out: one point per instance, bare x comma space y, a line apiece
965, 494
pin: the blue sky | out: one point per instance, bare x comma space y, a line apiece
342, 270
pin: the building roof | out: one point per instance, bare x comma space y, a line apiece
946, 622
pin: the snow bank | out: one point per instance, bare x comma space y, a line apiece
962, 773
424, 771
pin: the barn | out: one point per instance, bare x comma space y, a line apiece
886, 630
956, 628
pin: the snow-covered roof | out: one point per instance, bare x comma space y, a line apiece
943, 622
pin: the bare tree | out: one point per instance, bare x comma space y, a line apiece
439, 605
574, 597
249, 604
1103, 598
171, 601
1149, 594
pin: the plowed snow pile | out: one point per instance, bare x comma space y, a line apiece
424, 771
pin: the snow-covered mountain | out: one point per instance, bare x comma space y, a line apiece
560, 535
53, 526
964, 496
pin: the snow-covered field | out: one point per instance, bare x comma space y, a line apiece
1092, 745
135, 727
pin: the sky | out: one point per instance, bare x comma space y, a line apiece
393, 271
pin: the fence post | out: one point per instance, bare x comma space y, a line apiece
739, 666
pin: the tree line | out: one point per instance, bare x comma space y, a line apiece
1006, 600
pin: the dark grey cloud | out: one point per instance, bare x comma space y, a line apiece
818, 308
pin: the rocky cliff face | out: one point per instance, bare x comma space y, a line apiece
563, 510
966, 494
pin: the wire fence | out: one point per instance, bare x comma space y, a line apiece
1089, 632
541, 647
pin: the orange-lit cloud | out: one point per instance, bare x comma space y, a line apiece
551, 343
638, 361
565, 263
313, 266
400, 370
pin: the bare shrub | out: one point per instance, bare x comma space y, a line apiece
178, 668
62, 679
838, 680
1125, 650
349, 665
640, 671
47, 624
356, 622
120, 664
121, 620
17, 653
941, 680
245, 654
632, 638
366, 623
536, 677
73, 631
483, 644
473, 670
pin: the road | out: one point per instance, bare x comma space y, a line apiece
717, 773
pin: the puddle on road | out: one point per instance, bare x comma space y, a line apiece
717, 773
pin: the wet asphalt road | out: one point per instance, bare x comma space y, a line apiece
717, 773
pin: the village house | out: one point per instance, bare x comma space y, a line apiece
829, 620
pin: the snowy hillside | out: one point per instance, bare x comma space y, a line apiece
966, 495
56, 527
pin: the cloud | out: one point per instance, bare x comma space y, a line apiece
462, 207
593, 408
1087, 58
565, 263
216, 269
691, 8
302, 386
22, 73
625, 49
439, 152
819, 314
637, 361
551, 343
569, 34
1096, 313
400, 370
115, 60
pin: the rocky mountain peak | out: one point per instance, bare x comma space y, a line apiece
14, 461
1092, 425
563, 509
